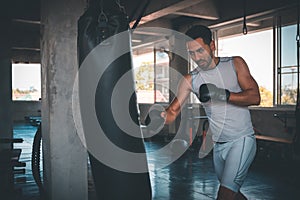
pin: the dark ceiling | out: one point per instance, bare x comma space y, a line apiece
176, 14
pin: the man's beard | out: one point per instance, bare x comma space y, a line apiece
204, 64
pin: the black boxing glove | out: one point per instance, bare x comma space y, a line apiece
154, 121
210, 91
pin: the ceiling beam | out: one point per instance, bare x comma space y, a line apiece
160, 8
204, 10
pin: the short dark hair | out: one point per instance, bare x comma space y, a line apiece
199, 31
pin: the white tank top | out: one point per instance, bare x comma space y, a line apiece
227, 122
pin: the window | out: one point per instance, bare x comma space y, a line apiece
151, 72
144, 77
287, 68
26, 82
257, 50
161, 80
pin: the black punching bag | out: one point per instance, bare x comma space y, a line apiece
117, 153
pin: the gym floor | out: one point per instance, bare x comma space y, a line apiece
272, 176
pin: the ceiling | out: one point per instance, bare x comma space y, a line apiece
176, 14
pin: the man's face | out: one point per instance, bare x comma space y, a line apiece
201, 53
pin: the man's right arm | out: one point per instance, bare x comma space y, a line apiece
156, 118
184, 89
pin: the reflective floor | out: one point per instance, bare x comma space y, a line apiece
25, 186
271, 177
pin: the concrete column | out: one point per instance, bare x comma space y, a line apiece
65, 158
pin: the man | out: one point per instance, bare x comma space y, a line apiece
226, 88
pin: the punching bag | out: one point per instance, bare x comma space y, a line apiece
117, 154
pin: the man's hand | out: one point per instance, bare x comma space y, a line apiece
155, 120
211, 92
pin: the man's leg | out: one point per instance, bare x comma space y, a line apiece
240, 196
238, 156
227, 194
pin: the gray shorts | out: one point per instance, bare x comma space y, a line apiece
232, 161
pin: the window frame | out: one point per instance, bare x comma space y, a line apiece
277, 24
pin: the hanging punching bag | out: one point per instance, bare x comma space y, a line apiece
116, 152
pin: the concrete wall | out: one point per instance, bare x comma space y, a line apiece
5, 100
272, 121
21, 109
263, 118
265, 121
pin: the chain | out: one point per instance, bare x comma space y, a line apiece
122, 8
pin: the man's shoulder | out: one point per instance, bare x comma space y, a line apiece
187, 77
227, 59
194, 71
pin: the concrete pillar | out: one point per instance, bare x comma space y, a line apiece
65, 158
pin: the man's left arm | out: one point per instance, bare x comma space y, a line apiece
250, 92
